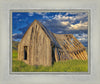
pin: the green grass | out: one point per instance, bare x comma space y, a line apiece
61, 66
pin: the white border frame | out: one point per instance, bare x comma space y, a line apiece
7, 5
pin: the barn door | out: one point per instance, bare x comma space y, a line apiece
53, 55
25, 52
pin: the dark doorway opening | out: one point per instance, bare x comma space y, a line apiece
25, 52
53, 55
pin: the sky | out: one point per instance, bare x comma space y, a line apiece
75, 23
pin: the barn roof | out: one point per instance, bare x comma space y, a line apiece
49, 34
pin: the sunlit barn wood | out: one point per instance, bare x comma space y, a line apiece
39, 46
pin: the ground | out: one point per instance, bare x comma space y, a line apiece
61, 66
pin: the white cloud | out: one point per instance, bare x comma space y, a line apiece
59, 32
65, 23
82, 38
79, 26
66, 13
18, 14
17, 34
76, 35
43, 22
63, 17
57, 17
76, 22
30, 13
14, 34
79, 16
46, 17
41, 13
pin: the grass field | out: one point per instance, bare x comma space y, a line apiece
61, 66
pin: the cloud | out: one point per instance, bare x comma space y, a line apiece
45, 17
72, 17
65, 23
81, 15
38, 13
67, 13
72, 21
83, 38
41, 13
79, 26
63, 17
30, 13
53, 25
59, 32
17, 36
65, 26
18, 14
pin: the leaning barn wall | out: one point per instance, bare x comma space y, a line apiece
71, 47
41, 47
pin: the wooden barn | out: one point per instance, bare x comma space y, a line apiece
39, 46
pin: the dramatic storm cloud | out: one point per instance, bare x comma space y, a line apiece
56, 22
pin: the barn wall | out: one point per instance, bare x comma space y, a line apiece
24, 42
39, 46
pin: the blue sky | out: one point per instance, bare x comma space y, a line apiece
57, 22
